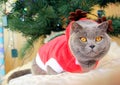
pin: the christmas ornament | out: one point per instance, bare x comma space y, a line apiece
58, 27
22, 18
14, 53
100, 13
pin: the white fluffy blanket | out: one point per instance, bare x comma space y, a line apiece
107, 73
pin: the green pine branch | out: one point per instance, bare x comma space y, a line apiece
116, 26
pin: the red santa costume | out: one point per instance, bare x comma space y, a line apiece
57, 55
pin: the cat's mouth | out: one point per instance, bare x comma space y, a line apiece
92, 53
95, 54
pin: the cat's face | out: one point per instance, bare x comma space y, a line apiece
89, 40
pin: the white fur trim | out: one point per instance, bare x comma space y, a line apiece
77, 63
54, 65
51, 62
40, 63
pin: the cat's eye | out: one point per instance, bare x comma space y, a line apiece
83, 39
98, 38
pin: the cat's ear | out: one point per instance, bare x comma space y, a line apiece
103, 26
75, 27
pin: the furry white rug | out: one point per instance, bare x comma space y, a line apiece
107, 73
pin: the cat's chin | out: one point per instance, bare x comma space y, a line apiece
88, 65
89, 62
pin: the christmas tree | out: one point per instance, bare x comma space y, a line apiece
37, 17
34, 18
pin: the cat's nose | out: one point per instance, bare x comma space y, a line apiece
92, 46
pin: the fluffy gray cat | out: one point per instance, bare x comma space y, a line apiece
85, 40
88, 42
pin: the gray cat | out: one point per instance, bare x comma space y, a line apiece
89, 42
79, 50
